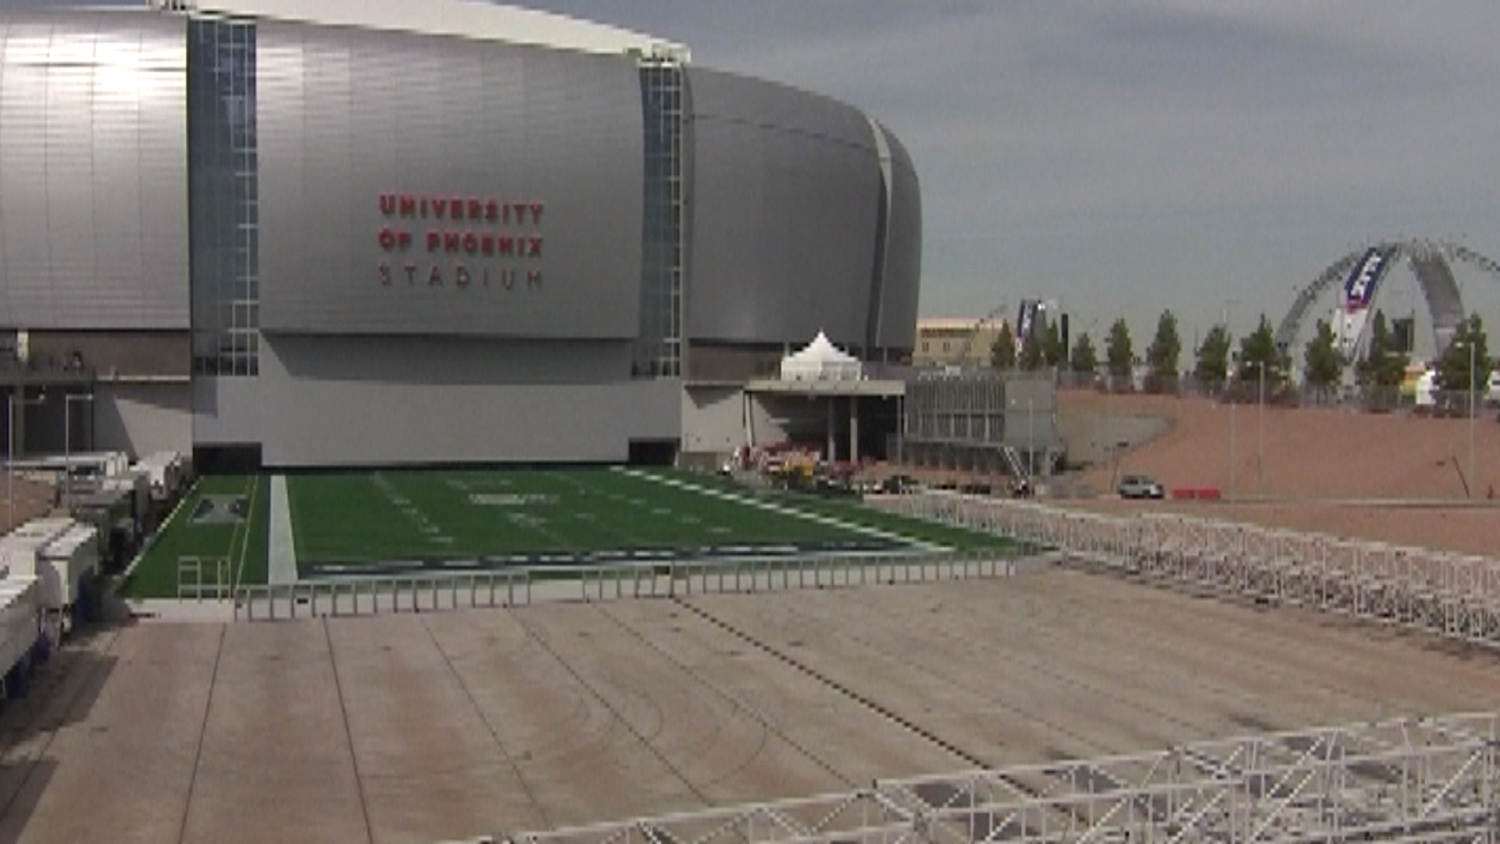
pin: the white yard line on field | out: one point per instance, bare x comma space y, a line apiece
778, 508
282, 566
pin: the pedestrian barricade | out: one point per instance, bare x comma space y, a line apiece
1453, 595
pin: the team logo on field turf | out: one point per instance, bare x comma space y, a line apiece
510, 499
221, 509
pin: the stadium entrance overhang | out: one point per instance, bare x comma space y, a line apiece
869, 387
830, 391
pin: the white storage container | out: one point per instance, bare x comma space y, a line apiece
54, 551
18, 549
19, 619
137, 481
165, 470
63, 561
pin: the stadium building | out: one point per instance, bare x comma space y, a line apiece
300, 234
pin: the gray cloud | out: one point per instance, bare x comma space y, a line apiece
1129, 156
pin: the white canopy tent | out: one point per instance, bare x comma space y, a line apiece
820, 360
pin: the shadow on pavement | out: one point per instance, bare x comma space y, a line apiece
62, 691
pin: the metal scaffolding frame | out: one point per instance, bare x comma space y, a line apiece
1406, 779
1449, 594
1431, 779
525, 585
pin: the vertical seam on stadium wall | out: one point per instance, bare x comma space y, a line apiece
687, 201
875, 314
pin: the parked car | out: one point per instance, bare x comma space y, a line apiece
897, 484
1140, 486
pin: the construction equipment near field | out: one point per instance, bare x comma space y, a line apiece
1453, 595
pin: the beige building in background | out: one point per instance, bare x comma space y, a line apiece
955, 341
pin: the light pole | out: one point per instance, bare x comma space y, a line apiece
1227, 313
1473, 480
1030, 439
1260, 430
1109, 430
68, 399
1230, 394
10, 449
1233, 411
1232, 402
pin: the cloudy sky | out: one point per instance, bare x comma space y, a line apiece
1124, 157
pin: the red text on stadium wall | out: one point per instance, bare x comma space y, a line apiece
451, 230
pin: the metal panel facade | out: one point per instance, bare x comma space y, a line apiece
367, 142
785, 199
345, 400
93, 184
141, 418
437, 241
903, 251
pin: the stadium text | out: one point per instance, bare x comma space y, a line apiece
456, 233
408, 206
460, 275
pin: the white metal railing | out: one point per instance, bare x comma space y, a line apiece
1432, 779
203, 578
508, 587
1450, 594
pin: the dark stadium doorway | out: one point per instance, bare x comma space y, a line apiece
227, 458
652, 452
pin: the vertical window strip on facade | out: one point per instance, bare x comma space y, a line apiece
659, 344
223, 169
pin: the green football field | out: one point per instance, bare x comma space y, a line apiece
223, 517
415, 520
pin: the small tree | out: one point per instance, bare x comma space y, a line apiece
1258, 353
1382, 366
1118, 353
1162, 355
1325, 366
1085, 359
1054, 353
1213, 359
1033, 356
1003, 350
1453, 373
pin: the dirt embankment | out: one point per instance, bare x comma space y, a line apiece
1345, 472
1300, 452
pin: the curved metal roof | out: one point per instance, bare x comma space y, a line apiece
464, 18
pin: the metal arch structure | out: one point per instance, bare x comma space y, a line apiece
1286, 332
1410, 780
1431, 264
